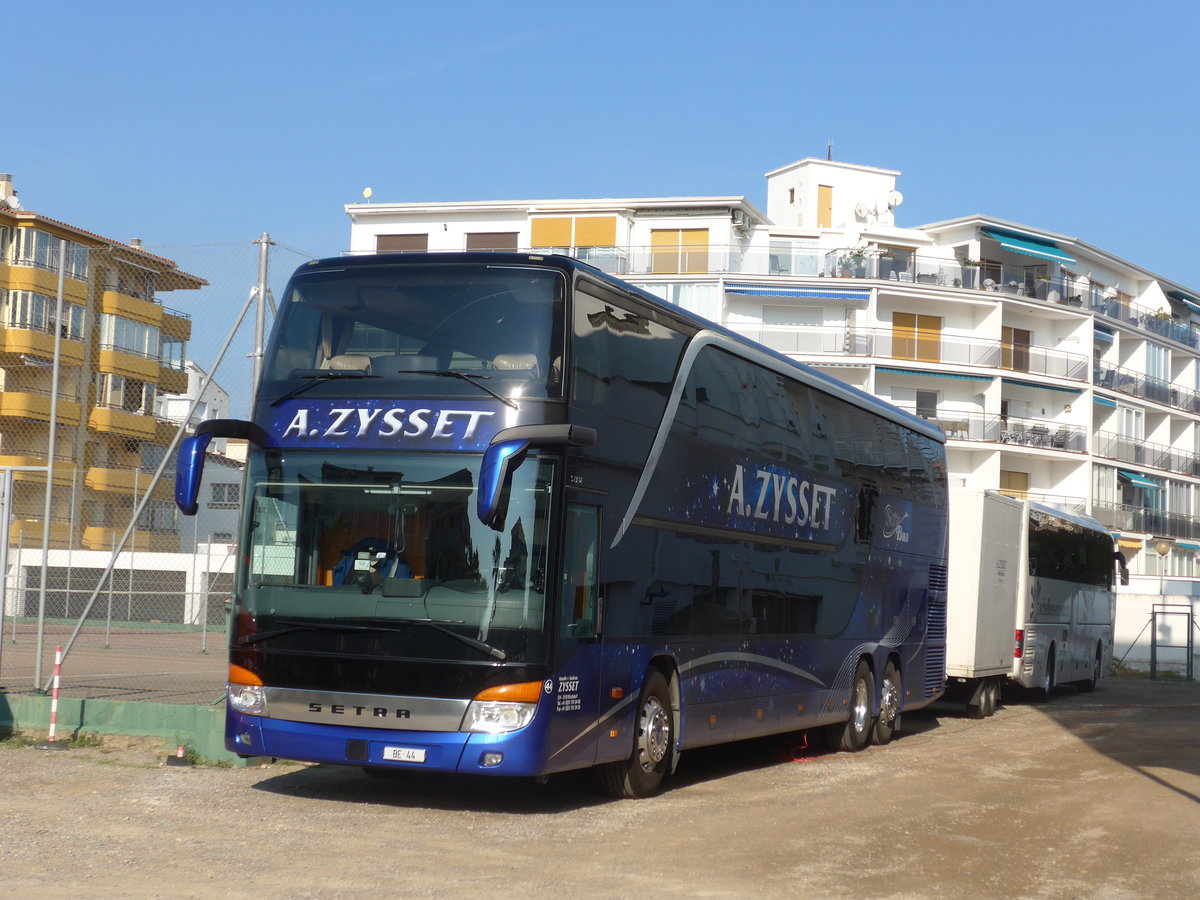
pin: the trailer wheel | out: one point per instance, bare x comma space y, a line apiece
654, 736
990, 699
890, 694
855, 733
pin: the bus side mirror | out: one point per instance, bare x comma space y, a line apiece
505, 454
189, 468
1120, 560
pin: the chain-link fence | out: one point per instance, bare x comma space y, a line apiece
136, 594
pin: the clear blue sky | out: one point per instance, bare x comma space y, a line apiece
213, 122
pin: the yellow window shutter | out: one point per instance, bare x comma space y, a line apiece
596, 231
550, 231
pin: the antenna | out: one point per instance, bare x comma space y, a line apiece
861, 211
895, 198
829, 150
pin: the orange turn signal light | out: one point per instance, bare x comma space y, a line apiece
239, 675
525, 692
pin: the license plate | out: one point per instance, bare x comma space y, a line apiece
404, 754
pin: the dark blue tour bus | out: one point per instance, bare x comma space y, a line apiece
507, 514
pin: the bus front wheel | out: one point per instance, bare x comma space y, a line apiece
855, 732
654, 736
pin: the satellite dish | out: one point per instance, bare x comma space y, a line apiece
367, 193
895, 198
12, 202
861, 211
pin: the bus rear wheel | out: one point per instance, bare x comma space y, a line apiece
855, 733
1044, 690
1089, 684
654, 738
888, 721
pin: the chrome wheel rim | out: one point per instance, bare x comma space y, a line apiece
654, 734
889, 701
861, 713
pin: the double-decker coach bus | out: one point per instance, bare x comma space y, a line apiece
506, 514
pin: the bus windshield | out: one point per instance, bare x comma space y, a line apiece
484, 329
358, 543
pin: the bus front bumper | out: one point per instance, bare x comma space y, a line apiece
520, 752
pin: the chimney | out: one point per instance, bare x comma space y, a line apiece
135, 242
6, 187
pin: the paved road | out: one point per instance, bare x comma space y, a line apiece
1090, 796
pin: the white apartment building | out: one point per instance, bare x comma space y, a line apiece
1058, 370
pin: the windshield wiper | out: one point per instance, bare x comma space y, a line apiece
470, 379
310, 380
293, 626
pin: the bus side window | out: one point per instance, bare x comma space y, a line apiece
577, 605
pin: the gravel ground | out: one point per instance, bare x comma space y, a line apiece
1089, 796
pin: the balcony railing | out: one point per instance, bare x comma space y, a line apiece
800, 261
1137, 384
906, 345
1141, 453
1123, 517
1040, 434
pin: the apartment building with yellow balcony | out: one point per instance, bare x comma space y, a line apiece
115, 347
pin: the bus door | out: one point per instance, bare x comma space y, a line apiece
574, 683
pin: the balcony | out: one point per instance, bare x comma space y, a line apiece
1037, 434
30, 403
129, 482
1137, 384
22, 340
107, 420
130, 363
1138, 452
1124, 517
116, 303
899, 344
176, 324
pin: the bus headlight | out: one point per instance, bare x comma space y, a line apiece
247, 698
496, 718
506, 707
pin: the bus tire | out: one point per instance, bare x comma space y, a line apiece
1043, 691
1089, 684
654, 738
887, 723
855, 733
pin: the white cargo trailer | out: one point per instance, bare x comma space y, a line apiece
1030, 599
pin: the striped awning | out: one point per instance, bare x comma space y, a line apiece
1104, 401
1138, 480
1028, 245
798, 293
926, 374
1041, 387
1188, 545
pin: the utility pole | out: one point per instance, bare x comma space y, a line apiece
260, 316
